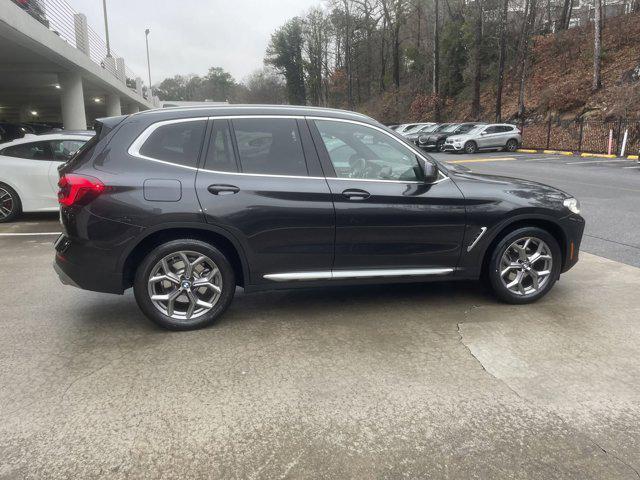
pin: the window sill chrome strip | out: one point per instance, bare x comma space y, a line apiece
346, 274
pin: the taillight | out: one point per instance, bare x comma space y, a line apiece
78, 189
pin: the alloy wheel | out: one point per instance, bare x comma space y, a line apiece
185, 285
512, 146
526, 266
6, 203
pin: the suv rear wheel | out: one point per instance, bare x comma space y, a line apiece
184, 284
10, 206
525, 265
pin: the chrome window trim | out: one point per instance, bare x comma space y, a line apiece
134, 148
347, 274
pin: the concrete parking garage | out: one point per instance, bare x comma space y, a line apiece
61, 72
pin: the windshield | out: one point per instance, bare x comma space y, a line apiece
450, 128
475, 130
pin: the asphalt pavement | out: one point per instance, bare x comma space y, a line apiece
608, 189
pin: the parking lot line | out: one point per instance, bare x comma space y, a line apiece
28, 234
479, 160
634, 166
597, 161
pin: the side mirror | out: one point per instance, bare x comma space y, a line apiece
430, 172
483, 133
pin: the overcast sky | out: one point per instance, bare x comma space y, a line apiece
189, 36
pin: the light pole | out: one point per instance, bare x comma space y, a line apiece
106, 26
146, 36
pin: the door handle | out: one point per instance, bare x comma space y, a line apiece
356, 194
223, 189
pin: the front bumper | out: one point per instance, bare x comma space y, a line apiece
452, 147
573, 226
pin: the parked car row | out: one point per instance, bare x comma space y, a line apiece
468, 137
14, 131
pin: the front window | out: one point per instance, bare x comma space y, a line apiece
358, 151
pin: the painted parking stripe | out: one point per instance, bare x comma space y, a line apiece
28, 234
479, 160
635, 166
596, 161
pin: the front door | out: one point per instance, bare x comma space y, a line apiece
261, 181
387, 217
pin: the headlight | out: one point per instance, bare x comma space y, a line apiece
572, 204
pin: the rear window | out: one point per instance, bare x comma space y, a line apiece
177, 143
270, 146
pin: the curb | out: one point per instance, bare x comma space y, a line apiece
567, 153
557, 152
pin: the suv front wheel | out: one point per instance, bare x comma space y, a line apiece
184, 284
525, 265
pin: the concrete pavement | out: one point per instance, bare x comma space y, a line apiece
408, 381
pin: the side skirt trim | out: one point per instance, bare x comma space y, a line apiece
345, 274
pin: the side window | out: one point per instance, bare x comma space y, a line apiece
220, 154
63, 150
177, 143
31, 151
358, 151
490, 130
270, 146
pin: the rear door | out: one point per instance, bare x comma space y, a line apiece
261, 181
388, 220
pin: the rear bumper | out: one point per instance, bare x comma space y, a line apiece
86, 278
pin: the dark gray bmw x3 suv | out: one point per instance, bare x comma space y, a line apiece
186, 204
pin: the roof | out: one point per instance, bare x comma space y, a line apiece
232, 110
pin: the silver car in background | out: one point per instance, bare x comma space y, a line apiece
496, 136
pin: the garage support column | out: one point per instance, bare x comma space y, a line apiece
72, 101
113, 105
133, 108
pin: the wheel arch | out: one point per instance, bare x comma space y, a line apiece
219, 238
546, 224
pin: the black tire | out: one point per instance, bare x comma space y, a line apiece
470, 147
512, 145
10, 203
440, 146
494, 266
144, 270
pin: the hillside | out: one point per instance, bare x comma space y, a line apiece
559, 83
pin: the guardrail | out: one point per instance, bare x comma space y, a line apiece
70, 25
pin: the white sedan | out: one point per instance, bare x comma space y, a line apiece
29, 171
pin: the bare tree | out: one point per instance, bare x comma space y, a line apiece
477, 67
524, 55
436, 47
597, 46
501, 58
